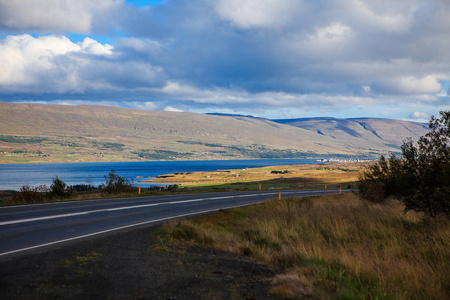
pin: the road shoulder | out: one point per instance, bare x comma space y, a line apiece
132, 264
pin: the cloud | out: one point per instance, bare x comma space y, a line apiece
54, 64
173, 109
412, 85
418, 116
55, 15
257, 13
333, 32
254, 56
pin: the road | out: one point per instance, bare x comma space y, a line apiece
30, 227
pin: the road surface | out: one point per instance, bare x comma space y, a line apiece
30, 227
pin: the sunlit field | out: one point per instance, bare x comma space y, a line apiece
334, 246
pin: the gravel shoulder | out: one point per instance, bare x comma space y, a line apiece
132, 265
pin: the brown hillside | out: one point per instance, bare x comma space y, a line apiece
60, 133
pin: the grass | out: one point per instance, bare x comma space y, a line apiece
7, 197
297, 176
334, 246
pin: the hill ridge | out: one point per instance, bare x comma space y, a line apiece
64, 133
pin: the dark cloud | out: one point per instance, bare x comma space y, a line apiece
233, 54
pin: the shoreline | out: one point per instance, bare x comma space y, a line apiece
59, 161
319, 173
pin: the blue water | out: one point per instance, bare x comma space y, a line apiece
13, 177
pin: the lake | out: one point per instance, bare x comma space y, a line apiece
14, 176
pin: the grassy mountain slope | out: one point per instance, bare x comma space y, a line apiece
56, 133
369, 133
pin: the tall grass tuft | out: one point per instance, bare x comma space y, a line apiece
334, 246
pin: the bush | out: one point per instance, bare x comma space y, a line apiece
60, 190
29, 195
172, 187
421, 178
116, 184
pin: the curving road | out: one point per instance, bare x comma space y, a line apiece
30, 227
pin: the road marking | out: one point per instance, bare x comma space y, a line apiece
119, 208
148, 205
117, 228
44, 218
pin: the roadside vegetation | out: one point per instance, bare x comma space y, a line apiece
420, 178
334, 246
330, 176
114, 186
389, 241
58, 190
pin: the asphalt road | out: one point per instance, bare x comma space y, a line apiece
29, 227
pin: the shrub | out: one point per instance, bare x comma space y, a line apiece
421, 178
172, 187
60, 190
116, 184
28, 195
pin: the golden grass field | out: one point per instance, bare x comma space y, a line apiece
296, 176
332, 247
327, 247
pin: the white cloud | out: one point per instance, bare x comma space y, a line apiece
143, 105
418, 116
21, 57
54, 64
92, 46
367, 89
409, 84
257, 13
173, 109
54, 15
333, 32
389, 16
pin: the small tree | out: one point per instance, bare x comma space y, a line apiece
172, 187
116, 184
59, 189
421, 179
89, 181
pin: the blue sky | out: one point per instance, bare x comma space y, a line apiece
268, 58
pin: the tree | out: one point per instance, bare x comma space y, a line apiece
116, 184
89, 181
59, 189
420, 178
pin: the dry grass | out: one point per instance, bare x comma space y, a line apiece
333, 246
330, 173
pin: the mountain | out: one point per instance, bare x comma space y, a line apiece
61, 133
362, 132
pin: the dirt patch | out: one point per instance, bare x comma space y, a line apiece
133, 265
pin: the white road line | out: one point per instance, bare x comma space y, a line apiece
44, 218
145, 205
117, 228
117, 209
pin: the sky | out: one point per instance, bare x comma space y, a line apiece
268, 58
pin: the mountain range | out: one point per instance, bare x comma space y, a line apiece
63, 133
